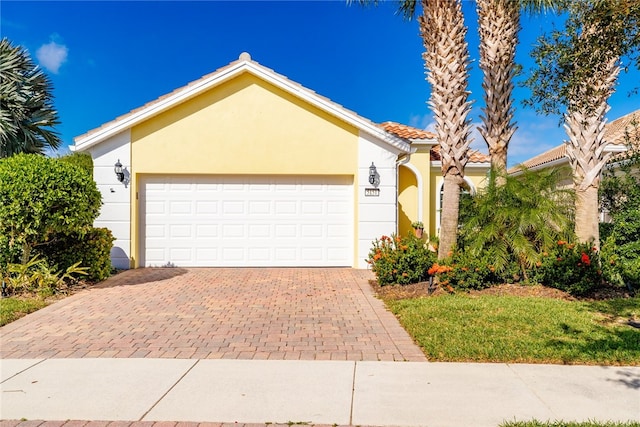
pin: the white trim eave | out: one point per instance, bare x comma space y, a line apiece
470, 165
426, 141
552, 164
615, 148
226, 74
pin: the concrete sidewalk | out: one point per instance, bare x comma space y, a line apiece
314, 392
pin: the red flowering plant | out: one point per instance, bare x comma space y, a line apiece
571, 267
399, 259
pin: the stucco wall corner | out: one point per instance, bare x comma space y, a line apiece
377, 215
115, 213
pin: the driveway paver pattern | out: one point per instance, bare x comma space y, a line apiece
216, 313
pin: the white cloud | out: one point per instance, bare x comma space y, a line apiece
533, 138
52, 55
423, 121
535, 135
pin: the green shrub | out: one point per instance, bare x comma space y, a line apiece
621, 263
573, 268
465, 271
40, 198
91, 248
401, 260
80, 160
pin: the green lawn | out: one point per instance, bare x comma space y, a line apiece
522, 329
571, 424
12, 308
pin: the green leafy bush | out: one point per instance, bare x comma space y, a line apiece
91, 248
573, 268
620, 197
80, 160
42, 197
465, 271
401, 260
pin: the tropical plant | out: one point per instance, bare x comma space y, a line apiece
35, 275
514, 223
27, 114
577, 68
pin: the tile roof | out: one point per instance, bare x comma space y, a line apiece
556, 153
409, 132
475, 156
615, 133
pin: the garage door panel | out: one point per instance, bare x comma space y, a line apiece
233, 231
206, 207
286, 231
288, 207
259, 207
181, 207
337, 231
207, 231
246, 221
260, 230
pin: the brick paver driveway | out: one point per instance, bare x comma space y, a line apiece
239, 313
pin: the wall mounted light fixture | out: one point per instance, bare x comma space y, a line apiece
372, 174
117, 168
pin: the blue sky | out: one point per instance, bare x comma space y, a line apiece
106, 58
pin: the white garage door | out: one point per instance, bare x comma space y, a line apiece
202, 221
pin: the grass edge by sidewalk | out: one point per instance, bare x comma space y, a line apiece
509, 329
536, 423
12, 309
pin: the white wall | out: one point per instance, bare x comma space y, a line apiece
116, 197
377, 216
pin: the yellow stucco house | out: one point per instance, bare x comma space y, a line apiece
244, 167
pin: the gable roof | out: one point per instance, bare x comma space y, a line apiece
615, 133
244, 64
415, 135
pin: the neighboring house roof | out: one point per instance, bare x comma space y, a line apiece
474, 156
243, 65
407, 132
415, 134
549, 156
615, 133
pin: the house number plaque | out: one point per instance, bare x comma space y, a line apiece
372, 192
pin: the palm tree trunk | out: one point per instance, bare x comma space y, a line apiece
449, 215
447, 63
585, 126
585, 150
498, 26
587, 208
